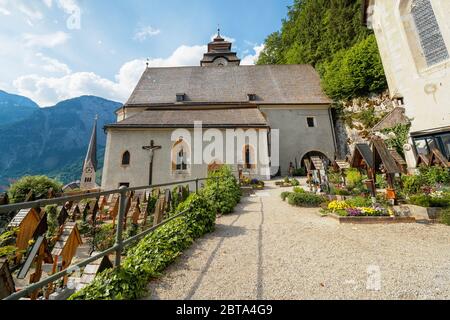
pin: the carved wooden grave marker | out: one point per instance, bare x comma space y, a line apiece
27, 220
7, 286
39, 254
66, 247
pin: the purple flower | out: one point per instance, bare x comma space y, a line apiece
353, 212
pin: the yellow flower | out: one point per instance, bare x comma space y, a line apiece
338, 205
31, 242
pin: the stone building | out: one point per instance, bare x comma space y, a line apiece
414, 40
156, 138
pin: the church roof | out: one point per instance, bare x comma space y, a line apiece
213, 118
91, 155
272, 84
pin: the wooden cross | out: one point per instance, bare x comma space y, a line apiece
152, 148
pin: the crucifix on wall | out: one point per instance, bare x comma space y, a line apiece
152, 148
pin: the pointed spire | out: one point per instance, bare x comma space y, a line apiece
92, 149
218, 37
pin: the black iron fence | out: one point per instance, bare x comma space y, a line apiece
120, 243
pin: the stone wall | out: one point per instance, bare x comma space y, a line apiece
350, 130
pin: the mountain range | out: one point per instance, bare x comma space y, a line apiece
51, 141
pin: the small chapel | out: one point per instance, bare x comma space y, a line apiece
175, 114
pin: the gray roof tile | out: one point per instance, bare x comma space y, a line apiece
272, 84
234, 118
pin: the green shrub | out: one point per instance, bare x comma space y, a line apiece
201, 216
339, 191
38, 184
335, 177
285, 194
304, 199
412, 184
299, 190
381, 182
8, 249
445, 216
434, 175
295, 182
52, 221
226, 194
354, 178
420, 200
104, 236
359, 202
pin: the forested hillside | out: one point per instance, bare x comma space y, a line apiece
329, 34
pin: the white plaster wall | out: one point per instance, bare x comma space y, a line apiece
296, 138
137, 173
406, 76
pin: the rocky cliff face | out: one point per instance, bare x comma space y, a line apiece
53, 141
355, 119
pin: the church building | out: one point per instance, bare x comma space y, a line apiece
89, 174
413, 37
281, 110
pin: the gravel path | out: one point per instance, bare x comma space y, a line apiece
270, 250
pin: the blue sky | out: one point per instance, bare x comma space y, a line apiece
52, 50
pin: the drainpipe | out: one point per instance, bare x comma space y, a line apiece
333, 131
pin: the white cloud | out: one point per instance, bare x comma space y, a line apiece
251, 59
5, 11
69, 6
52, 65
182, 56
48, 3
50, 40
146, 32
50, 90
31, 13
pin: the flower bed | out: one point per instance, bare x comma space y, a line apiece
356, 208
288, 183
254, 183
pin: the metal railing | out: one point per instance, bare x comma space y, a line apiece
119, 245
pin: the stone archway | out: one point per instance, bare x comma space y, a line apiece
310, 154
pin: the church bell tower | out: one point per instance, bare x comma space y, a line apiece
219, 54
88, 177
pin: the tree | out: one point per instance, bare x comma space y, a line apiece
314, 31
38, 184
354, 72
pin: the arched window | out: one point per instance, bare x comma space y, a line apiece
126, 157
428, 31
180, 156
249, 157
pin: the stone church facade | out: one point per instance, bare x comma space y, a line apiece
414, 41
155, 138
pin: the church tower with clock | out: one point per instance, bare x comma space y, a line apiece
88, 177
219, 54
